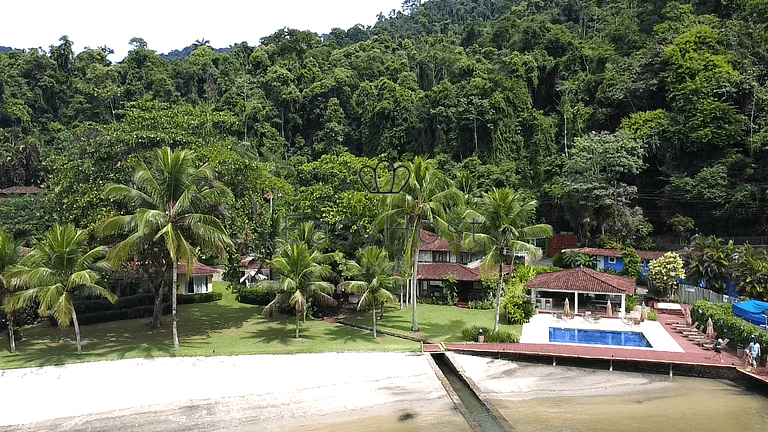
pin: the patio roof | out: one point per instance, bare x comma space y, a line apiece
583, 280
438, 271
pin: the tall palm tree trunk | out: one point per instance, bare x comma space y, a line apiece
11, 336
77, 332
498, 298
415, 323
158, 310
297, 324
374, 321
174, 284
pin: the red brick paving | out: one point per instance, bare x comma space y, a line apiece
694, 354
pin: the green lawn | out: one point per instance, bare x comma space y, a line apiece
225, 327
436, 323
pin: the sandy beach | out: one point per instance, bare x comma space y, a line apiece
359, 392
226, 393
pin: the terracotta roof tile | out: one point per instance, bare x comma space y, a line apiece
583, 279
599, 251
21, 190
650, 255
646, 255
250, 263
200, 269
429, 241
438, 271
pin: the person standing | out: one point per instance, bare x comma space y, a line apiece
754, 349
718, 349
748, 355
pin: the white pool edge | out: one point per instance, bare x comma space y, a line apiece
536, 331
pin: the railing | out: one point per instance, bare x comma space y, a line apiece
690, 294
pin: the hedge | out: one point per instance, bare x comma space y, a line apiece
255, 296
131, 307
470, 334
726, 323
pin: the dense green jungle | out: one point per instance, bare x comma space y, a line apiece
619, 116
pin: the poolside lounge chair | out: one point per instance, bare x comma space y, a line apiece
697, 329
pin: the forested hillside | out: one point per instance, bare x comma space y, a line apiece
612, 113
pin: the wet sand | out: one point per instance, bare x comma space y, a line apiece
536, 397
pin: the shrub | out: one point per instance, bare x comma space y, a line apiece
653, 315
208, 297
23, 316
470, 334
432, 301
481, 304
519, 308
255, 296
630, 303
726, 323
573, 259
632, 263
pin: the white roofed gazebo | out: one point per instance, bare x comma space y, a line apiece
585, 289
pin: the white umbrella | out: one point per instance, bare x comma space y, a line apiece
609, 309
566, 308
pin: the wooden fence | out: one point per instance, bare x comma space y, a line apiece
691, 294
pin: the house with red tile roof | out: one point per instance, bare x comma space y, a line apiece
199, 281
586, 290
253, 270
437, 262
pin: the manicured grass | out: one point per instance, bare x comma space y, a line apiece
225, 327
436, 323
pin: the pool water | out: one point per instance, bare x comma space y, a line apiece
598, 337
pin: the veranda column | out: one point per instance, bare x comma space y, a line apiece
623, 304
576, 302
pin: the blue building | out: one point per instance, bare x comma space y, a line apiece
613, 258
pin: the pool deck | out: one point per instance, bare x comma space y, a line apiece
690, 355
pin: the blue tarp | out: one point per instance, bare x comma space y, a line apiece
751, 311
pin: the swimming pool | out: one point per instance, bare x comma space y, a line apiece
598, 337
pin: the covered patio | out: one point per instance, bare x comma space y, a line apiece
585, 290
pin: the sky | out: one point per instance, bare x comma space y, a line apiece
169, 25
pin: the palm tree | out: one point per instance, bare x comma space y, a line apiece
750, 271
173, 203
504, 217
424, 198
709, 260
59, 266
301, 280
9, 255
374, 278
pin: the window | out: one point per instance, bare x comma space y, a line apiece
464, 257
201, 284
439, 256
612, 260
